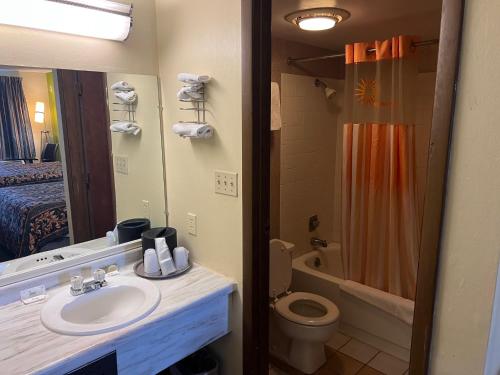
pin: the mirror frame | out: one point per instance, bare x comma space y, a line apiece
256, 40
46, 269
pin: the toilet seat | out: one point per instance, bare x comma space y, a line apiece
327, 311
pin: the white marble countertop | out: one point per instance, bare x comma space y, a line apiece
27, 347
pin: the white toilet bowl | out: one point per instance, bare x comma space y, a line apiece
309, 321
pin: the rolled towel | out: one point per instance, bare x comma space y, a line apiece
189, 93
192, 130
193, 78
275, 107
125, 127
122, 86
127, 97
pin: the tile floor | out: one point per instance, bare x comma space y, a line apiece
348, 356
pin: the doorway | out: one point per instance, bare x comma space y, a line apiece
256, 273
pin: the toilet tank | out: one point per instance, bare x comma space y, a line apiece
280, 267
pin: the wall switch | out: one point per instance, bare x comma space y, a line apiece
191, 224
226, 183
121, 164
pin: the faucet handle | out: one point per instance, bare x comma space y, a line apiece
76, 282
99, 275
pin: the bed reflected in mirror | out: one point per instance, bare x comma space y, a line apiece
79, 152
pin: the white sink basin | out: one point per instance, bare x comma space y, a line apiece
123, 301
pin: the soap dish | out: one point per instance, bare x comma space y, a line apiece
139, 271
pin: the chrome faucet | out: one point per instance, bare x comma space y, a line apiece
318, 242
79, 286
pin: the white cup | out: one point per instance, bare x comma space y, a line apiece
151, 265
181, 257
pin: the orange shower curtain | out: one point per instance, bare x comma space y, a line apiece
380, 222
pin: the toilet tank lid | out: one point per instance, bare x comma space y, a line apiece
280, 267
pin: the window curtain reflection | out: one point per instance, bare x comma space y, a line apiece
380, 222
16, 135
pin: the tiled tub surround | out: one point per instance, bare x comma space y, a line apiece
311, 140
192, 313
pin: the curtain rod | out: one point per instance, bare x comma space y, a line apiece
291, 60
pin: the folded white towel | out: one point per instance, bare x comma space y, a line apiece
193, 78
127, 97
192, 130
122, 86
125, 127
189, 93
275, 107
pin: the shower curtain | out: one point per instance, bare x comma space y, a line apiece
380, 224
16, 135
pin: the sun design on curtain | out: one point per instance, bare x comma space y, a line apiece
366, 92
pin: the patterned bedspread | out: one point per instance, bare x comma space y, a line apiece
32, 215
13, 173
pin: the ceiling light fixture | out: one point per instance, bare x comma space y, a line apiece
317, 19
103, 19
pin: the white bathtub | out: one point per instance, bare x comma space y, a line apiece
380, 323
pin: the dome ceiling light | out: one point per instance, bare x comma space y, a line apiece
317, 19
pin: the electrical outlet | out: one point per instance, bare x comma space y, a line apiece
191, 223
226, 183
121, 164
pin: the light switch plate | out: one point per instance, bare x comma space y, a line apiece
226, 183
191, 223
121, 164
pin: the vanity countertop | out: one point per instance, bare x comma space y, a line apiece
27, 347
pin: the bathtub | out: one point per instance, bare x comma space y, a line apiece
370, 315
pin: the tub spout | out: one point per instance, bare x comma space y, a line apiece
317, 242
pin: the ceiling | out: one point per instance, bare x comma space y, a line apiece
370, 20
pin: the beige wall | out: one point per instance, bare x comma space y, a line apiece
26, 47
471, 243
144, 181
196, 36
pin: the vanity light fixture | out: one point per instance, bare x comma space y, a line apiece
317, 19
103, 19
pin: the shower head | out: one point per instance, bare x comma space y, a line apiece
329, 92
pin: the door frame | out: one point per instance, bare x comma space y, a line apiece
256, 126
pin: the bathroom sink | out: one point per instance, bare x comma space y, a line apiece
123, 301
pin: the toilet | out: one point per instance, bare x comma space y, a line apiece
307, 320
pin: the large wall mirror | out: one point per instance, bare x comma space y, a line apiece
80, 152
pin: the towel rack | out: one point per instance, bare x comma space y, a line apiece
198, 106
127, 108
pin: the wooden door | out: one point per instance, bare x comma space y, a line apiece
87, 147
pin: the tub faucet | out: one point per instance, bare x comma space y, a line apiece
78, 286
318, 242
